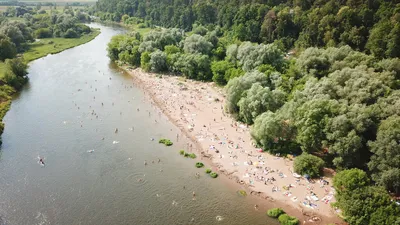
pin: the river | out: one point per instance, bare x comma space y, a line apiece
73, 103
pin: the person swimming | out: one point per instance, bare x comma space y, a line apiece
41, 161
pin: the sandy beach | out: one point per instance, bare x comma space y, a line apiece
197, 109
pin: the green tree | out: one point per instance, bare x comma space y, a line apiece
257, 100
219, 69
308, 164
350, 180
145, 61
197, 44
385, 163
158, 61
274, 134
7, 48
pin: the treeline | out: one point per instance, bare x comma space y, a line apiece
339, 104
370, 26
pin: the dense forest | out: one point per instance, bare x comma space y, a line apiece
20, 28
334, 99
370, 26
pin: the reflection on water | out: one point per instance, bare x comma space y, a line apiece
93, 175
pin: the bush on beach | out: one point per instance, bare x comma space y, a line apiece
275, 212
213, 175
285, 219
199, 165
308, 164
166, 142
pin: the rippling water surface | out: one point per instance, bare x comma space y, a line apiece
75, 99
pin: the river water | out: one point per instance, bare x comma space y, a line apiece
73, 103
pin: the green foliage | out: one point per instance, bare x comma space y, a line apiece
213, 175
285, 219
199, 165
349, 180
275, 212
166, 142
368, 205
200, 30
308, 164
194, 66
242, 193
7, 48
385, 163
145, 61
181, 152
17, 66
158, 61
208, 170
171, 49
196, 44
250, 56
257, 100
274, 134
238, 85
43, 33
219, 69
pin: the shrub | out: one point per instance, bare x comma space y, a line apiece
142, 25
186, 154
275, 212
199, 165
181, 152
166, 142
308, 164
242, 192
43, 33
285, 219
208, 171
213, 175
192, 156
71, 33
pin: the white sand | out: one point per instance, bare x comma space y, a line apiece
193, 107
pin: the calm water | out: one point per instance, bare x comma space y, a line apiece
53, 118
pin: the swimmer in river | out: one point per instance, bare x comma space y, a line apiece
256, 207
159, 160
194, 196
41, 161
116, 130
145, 163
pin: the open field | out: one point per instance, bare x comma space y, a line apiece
55, 45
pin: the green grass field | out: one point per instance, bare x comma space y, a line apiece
55, 45
142, 31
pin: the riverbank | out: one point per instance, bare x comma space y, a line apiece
197, 109
38, 50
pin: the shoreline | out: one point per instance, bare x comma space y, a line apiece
216, 136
